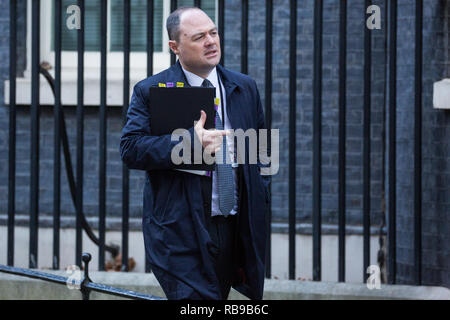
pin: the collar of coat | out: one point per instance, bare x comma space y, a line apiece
231, 80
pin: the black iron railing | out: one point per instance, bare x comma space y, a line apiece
84, 284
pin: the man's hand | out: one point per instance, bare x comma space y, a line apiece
211, 140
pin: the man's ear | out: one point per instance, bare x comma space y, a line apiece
173, 45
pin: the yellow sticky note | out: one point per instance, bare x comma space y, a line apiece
180, 84
216, 101
162, 84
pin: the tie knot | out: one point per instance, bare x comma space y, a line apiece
207, 84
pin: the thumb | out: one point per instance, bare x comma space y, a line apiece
202, 119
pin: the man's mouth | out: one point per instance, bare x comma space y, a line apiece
211, 53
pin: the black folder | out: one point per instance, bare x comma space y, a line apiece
178, 107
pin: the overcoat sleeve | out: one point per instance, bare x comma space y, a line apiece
138, 148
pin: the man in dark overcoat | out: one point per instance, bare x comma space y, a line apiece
204, 231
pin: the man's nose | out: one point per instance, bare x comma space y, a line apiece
209, 40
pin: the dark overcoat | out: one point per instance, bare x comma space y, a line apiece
177, 242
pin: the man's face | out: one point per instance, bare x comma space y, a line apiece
198, 48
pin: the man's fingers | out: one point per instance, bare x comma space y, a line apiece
210, 149
217, 133
213, 150
213, 140
202, 120
227, 132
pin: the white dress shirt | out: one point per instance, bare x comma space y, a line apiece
196, 81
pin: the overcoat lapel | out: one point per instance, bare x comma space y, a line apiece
229, 86
176, 74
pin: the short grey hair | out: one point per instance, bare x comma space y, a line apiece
173, 22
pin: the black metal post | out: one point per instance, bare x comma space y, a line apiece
292, 134
57, 137
317, 140
418, 146
84, 288
342, 135
80, 136
173, 7
12, 129
126, 98
268, 111
150, 49
150, 46
102, 137
244, 37
198, 3
34, 112
392, 141
366, 146
381, 256
221, 4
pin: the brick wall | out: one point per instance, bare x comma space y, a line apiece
405, 139
436, 151
435, 147
4, 74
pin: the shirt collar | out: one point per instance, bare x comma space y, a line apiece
196, 81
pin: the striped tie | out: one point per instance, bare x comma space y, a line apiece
225, 179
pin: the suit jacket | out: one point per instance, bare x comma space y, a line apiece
177, 242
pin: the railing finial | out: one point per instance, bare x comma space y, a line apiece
86, 258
